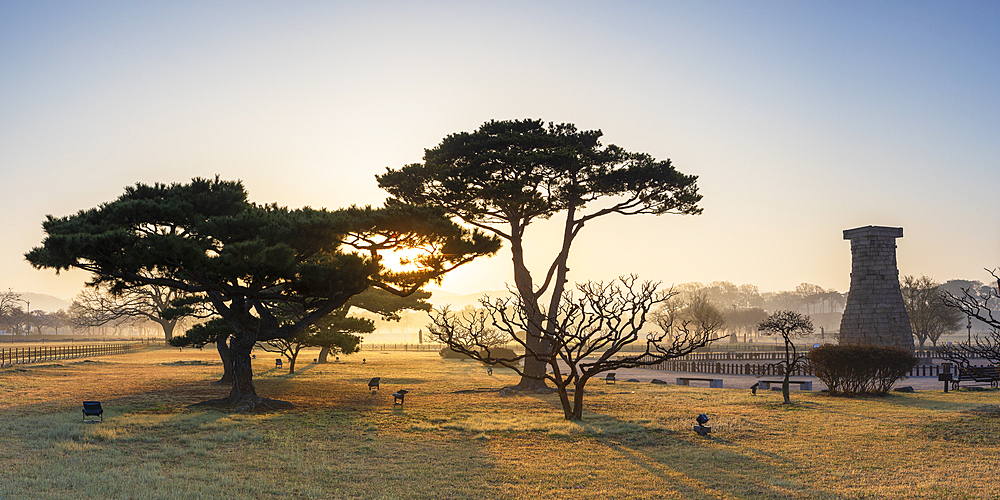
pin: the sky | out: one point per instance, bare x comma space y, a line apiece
801, 119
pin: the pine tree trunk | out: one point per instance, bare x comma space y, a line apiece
243, 395
227, 361
243, 392
534, 369
323, 353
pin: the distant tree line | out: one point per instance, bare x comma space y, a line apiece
95, 311
740, 307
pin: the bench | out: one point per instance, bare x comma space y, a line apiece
92, 409
712, 382
373, 384
397, 397
804, 385
979, 374
610, 378
277, 363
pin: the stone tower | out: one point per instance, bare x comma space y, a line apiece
875, 313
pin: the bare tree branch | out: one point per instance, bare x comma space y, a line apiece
583, 338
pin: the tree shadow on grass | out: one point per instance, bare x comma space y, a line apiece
720, 465
713, 472
300, 371
953, 401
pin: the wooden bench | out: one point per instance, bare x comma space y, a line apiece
397, 397
373, 384
610, 378
712, 382
804, 385
979, 374
92, 409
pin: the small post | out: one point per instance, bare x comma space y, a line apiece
945, 375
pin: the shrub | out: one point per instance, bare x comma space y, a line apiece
496, 353
500, 353
447, 353
861, 369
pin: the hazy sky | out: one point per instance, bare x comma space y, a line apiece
801, 119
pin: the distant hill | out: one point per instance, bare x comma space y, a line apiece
441, 298
44, 302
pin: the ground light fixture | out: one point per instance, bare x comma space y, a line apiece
701, 428
92, 409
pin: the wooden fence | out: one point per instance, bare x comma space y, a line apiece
401, 347
756, 363
27, 355
766, 352
763, 355
763, 369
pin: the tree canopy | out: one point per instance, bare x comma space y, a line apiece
269, 271
508, 174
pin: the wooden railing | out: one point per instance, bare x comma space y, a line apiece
759, 369
27, 355
401, 347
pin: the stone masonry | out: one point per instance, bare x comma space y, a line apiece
875, 313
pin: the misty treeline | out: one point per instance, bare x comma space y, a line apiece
17, 319
738, 310
742, 307
145, 311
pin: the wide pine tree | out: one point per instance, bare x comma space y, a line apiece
269, 271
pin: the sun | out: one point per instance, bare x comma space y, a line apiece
404, 260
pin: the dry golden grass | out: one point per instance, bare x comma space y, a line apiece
342, 442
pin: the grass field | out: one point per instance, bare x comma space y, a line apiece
342, 442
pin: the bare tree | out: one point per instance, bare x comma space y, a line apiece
785, 300
809, 294
788, 324
929, 316
745, 320
982, 347
471, 327
979, 303
99, 306
288, 348
694, 306
585, 335
704, 314
53, 320
12, 317
9, 301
